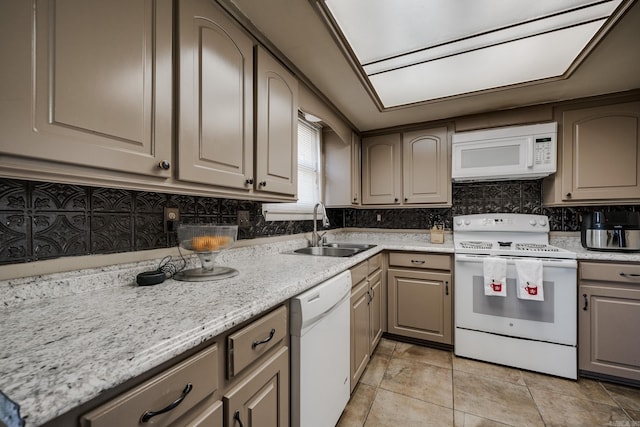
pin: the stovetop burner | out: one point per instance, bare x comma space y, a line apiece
476, 245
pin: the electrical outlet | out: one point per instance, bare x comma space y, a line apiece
244, 219
171, 219
379, 217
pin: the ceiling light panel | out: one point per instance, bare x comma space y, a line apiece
520, 61
417, 50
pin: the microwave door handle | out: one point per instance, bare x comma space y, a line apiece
529, 152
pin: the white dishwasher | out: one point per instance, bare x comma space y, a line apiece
320, 339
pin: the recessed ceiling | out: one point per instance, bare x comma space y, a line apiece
300, 33
419, 50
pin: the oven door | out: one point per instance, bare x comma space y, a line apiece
552, 320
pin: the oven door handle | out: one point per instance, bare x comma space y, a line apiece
546, 262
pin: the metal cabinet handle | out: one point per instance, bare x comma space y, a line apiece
249, 181
150, 414
236, 417
586, 302
446, 287
629, 275
417, 261
395, 200
262, 183
370, 297
164, 164
264, 341
568, 195
406, 200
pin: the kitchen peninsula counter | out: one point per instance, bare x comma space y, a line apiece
67, 337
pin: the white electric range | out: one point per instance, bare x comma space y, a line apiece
539, 336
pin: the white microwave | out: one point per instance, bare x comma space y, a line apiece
518, 152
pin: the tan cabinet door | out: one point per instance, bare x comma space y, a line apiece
342, 166
215, 122
425, 166
262, 399
375, 310
360, 338
381, 170
276, 127
88, 83
601, 153
419, 305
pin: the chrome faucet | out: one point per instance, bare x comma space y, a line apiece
315, 237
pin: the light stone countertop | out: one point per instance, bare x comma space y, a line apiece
67, 337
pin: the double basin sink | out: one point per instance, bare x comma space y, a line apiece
335, 249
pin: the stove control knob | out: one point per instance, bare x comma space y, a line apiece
542, 222
458, 221
532, 222
467, 222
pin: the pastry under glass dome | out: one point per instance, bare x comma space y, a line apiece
207, 241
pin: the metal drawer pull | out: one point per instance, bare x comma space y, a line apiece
236, 417
586, 302
630, 275
264, 341
417, 261
446, 287
150, 414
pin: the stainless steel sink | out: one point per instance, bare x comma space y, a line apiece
334, 249
361, 247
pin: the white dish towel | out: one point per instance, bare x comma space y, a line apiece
495, 276
530, 279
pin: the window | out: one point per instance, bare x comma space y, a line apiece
309, 178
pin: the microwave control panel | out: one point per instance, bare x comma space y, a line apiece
542, 150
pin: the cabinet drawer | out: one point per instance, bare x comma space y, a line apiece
359, 273
420, 260
254, 340
375, 262
200, 371
610, 272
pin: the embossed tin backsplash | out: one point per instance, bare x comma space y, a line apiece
48, 220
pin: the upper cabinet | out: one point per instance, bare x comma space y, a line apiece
599, 156
88, 84
276, 126
342, 166
411, 168
215, 119
425, 166
87, 89
381, 170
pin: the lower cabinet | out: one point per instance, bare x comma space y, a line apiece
262, 399
608, 319
246, 387
367, 299
420, 295
170, 398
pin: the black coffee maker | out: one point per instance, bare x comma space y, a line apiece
611, 231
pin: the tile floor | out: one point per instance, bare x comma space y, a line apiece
407, 385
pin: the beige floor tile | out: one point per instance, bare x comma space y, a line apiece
634, 415
419, 380
581, 389
499, 372
559, 409
358, 407
441, 358
462, 419
374, 372
627, 397
494, 399
385, 348
392, 409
